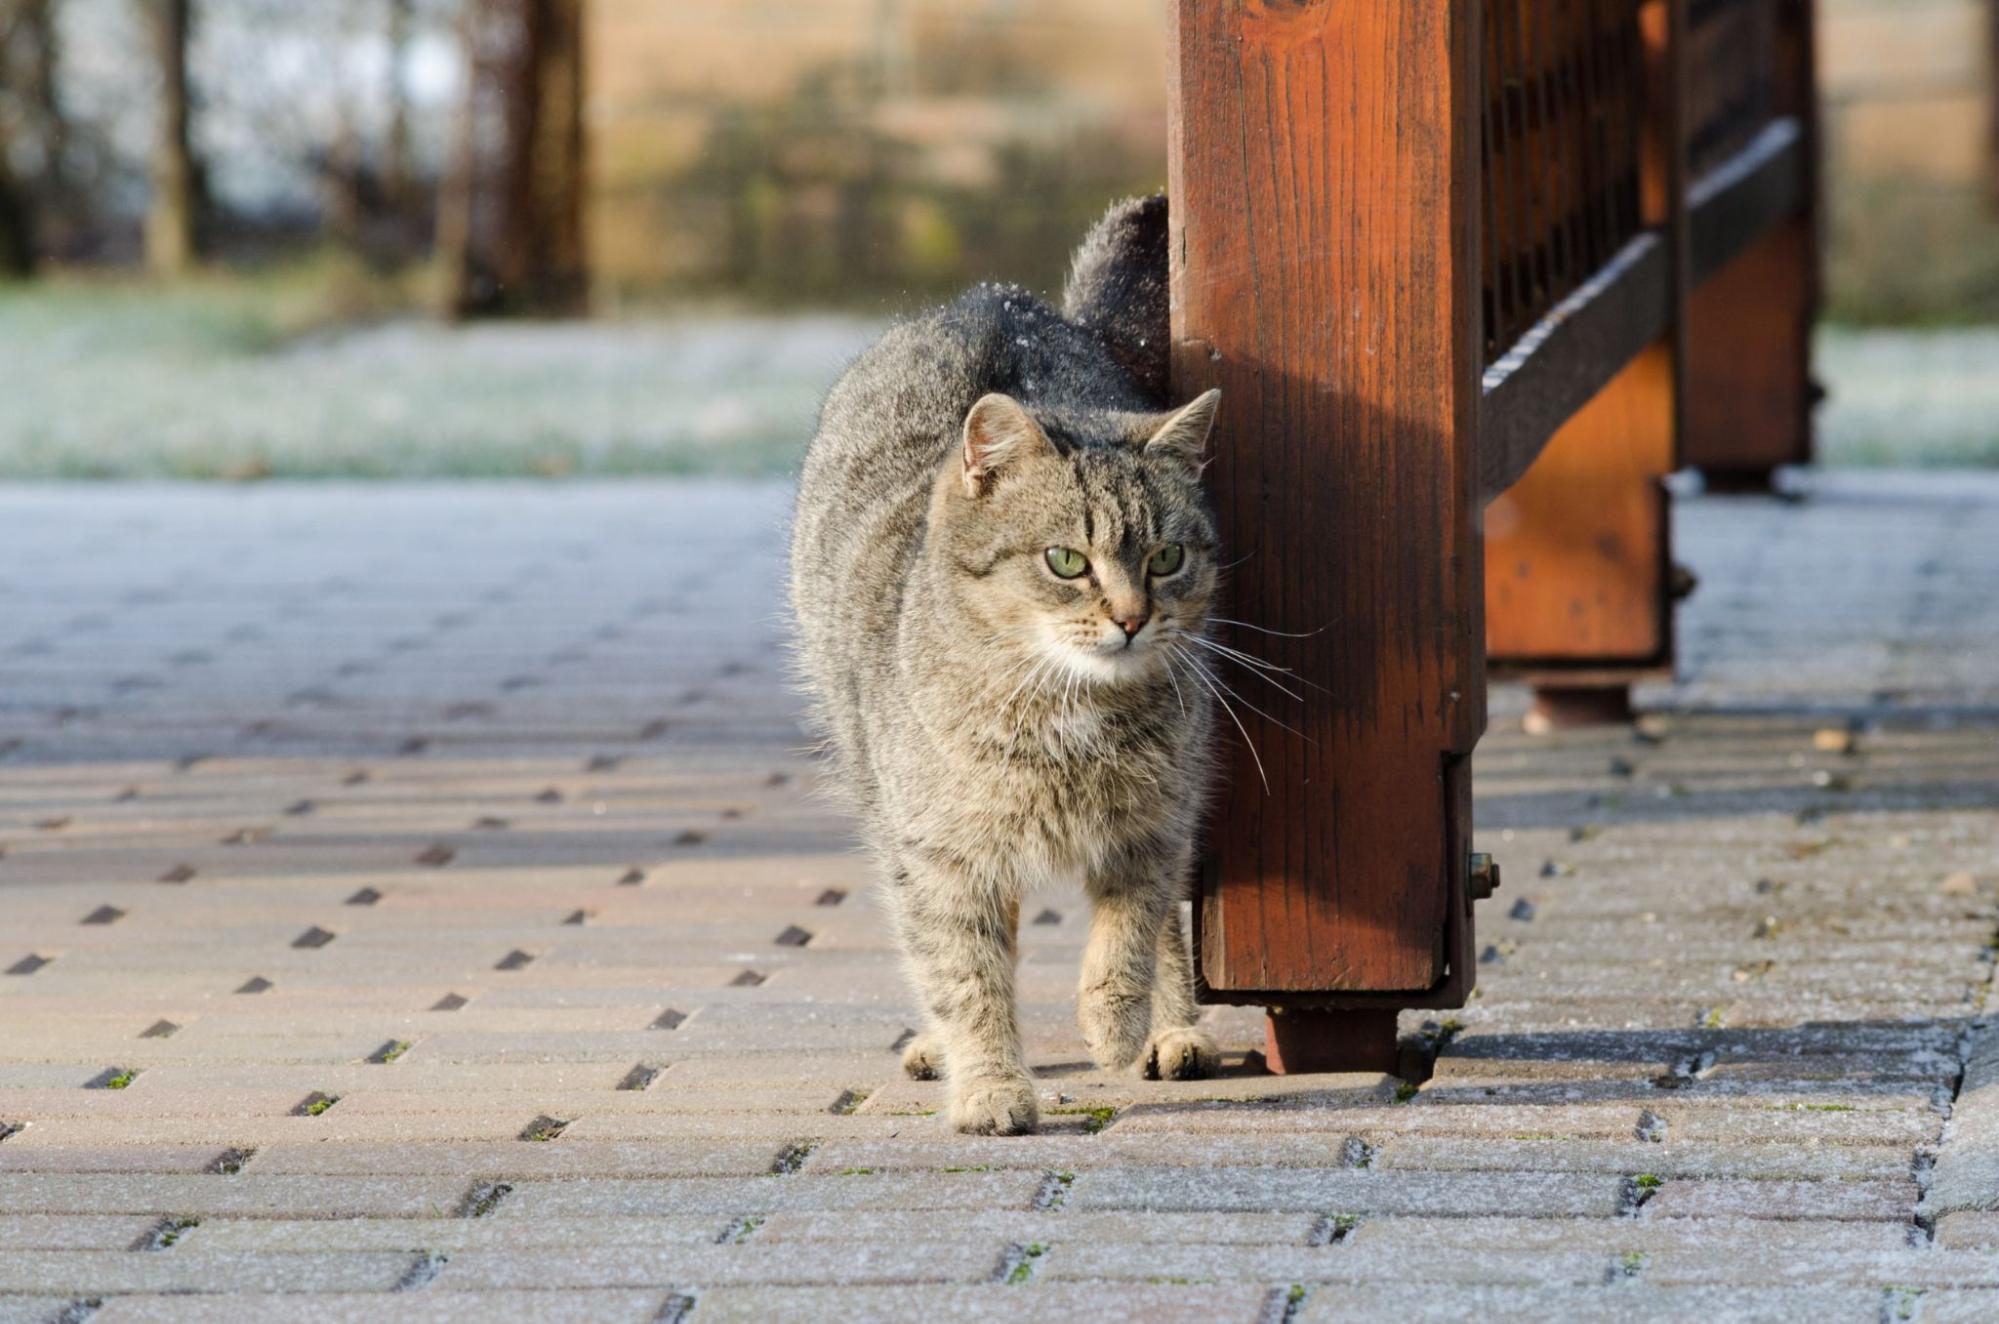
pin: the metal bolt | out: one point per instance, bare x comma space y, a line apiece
1484, 876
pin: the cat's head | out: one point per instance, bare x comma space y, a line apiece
1095, 553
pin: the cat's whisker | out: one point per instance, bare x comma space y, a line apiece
1038, 664
1247, 742
1261, 670
1042, 672
1250, 659
1281, 634
1246, 703
1176, 685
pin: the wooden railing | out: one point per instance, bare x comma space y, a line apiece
1563, 115
1473, 277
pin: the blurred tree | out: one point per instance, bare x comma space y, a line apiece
510, 212
173, 216
396, 148
31, 130
17, 246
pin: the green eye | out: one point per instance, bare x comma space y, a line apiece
1167, 560
1067, 562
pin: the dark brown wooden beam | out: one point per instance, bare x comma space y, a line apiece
1738, 203
1568, 357
1323, 171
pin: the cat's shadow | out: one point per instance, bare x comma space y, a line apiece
1234, 1066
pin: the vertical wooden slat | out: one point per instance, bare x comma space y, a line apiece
1520, 193
1493, 236
1325, 240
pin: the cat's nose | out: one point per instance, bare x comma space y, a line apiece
1131, 625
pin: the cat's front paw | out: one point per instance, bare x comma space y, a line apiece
924, 1058
995, 1107
1186, 1053
1114, 1028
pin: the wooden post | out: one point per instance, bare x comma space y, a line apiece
1750, 391
1579, 583
1325, 241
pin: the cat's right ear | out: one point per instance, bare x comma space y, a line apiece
998, 432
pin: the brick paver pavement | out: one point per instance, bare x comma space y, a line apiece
413, 903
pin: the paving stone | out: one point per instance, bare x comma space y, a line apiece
329, 1127
1975, 1228
19, 1157
1425, 1304
512, 1158
1893, 1200
1319, 1264
1966, 1176
569, 1307
1000, 1304
77, 1273
748, 1125
970, 1259
1029, 1227
33, 1309
1922, 1269
1668, 1159
1945, 1307
748, 1195
1435, 1194
242, 1196
73, 1231
1615, 1237
264, 1235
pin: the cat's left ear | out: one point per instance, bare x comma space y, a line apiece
998, 432
1183, 437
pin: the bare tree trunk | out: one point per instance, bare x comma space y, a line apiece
17, 218
172, 220
396, 150
340, 183
511, 219
1992, 100
17, 240
457, 185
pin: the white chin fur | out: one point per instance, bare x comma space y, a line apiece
1105, 665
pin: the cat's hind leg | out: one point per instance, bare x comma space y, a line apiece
1179, 1049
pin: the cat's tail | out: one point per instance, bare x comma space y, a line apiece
1118, 289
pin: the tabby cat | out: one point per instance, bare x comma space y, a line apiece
1001, 565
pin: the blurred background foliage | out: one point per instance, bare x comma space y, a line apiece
244, 237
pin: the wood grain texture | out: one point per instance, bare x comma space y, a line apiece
1575, 551
1749, 394
1326, 278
